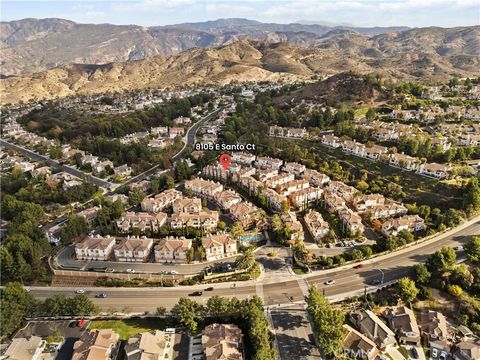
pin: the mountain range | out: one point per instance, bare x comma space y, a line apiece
206, 53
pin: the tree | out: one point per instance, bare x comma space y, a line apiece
246, 260
218, 306
327, 322
366, 251
455, 290
442, 260
237, 230
357, 254
421, 274
135, 197
472, 249
408, 290
187, 313
370, 115
74, 227
16, 304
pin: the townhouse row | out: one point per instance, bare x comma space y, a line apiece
139, 249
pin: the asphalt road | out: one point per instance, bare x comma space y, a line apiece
70, 170
349, 281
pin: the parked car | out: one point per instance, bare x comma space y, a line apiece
80, 323
414, 353
358, 266
79, 291
375, 282
434, 353
209, 288
131, 271
196, 293
329, 282
101, 296
443, 355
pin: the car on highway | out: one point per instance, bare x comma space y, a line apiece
196, 293
443, 355
434, 353
110, 270
79, 291
101, 296
174, 272
330, 282
27, 289
375, 282
130, 271
209, 288
358, 266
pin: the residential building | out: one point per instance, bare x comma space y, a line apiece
295, 133
133, 249
219, 246
142, 221
244, 212
206, 220
357, 345
215, 172
173, 132
144, 185
403, 323
274, 200
123, 171
203, 188
188, 205
403, 161
89, 214
301, 199
374, 328
364, 202
159, 143
374, 152
41, 171
388, 209
351, 220
294, 168
410, 223
222, 342
289, 219
278, 180
101, 166
316, 225
161, 201
292, 186
147, 346
95, 248
315, 178
265, 162
243, 158
439, 171
468, 349
343, 190
227, 198
334, 202
252, 185
95, 344
433, 327
24, 348
331, 140
265, 174
172, 250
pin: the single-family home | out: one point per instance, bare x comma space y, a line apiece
404, 324
357, 345
374, 328
410, 223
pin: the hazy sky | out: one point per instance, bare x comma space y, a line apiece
414, 13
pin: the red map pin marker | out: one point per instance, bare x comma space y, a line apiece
225, 160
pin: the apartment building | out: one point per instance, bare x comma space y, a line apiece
222, 342
351, 220
274, 200
243, 158
244, 212
219, 246
142, 221
388, 209
439, 171
364, 202
95, 248
172, 250
265, 162
187, 205
410, 223
403, 161
278, 180
95, 344
226, 199
289, 219
133, 249
343, 190
206, 220
331, 141
293, 186
294, 168
303, 198
147, 346
316, 225
161, 201
315, 178
203, 188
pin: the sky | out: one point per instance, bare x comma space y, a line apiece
413, 13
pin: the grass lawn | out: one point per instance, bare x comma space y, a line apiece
129, 327
403, 351
299, 271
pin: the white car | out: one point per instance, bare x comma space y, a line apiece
443, 355
79, 291
27, 289
329, 282
131, 271
174, 272
434, 353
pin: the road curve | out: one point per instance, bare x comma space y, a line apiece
348, 281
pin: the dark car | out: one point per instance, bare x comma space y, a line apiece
209, 288
358, 266
414, 353
196, 293
375, 282
101, 296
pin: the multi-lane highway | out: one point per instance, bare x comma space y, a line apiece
348, 281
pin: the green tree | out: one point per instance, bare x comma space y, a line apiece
16, 304
327, 322
472, 249
408, 290
218, 306
187, 312
442, 260
135, 197
246, 260
455, 290
74, 227
421, 274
